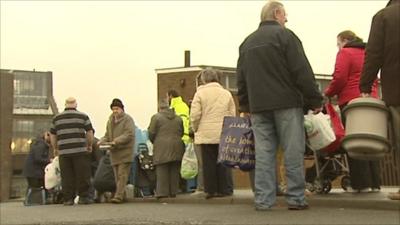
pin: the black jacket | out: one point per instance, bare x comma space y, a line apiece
273, 71
37, 159
383, 53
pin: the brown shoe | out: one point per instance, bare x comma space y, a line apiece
394, 196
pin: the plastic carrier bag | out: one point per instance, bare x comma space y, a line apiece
189, 166
52, 174
236, 147
319, 131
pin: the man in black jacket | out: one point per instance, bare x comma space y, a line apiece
274, 80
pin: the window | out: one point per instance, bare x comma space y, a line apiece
30, 90
228, 81
25, 131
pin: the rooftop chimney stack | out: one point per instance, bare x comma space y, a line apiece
187, 58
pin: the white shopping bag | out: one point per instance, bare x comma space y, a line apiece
319, 131
52, 174
189, 166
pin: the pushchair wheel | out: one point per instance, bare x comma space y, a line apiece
322, 187
310, 187
345, 182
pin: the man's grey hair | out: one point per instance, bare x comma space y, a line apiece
163, 104
209, 75
71, 103
269, 9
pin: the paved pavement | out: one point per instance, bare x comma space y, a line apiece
336, 198
336, 207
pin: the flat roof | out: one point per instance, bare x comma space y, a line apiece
194, 68
223, 69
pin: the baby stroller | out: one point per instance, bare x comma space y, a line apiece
145, 182
329, 162
327, 167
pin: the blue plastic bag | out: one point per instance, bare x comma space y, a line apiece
236, 147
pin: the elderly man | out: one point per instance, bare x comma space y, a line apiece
383, 54
120, 133
72, 139
274, 81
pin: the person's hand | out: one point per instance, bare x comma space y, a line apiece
51, 160
365, 95
317, 110
89, 148
244, 114
100, 142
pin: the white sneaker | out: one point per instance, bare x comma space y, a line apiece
375, 190
351, 190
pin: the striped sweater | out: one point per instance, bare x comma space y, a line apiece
70, 127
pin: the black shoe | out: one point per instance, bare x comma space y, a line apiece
85, 201
161, 196
298, 207
69, 203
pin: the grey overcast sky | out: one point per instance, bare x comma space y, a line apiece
98, 50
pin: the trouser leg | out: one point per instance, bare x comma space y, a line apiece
174, 176
82, 170
200, 183
163, 181
209, 168
265, 144
121, 172
67, 177
290, 127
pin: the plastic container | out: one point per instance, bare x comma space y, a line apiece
366, 135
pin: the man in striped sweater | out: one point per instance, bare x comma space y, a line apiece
72, 139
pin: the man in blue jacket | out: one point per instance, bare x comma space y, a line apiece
275, 80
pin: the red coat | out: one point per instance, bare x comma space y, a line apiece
346, 78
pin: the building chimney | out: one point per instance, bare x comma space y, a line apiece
187, 58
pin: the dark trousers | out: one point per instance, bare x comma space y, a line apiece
75, 175
35, 182
363, 173
167, 178
216, 177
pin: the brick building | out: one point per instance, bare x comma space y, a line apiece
28, 95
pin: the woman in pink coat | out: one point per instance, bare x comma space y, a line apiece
364, 175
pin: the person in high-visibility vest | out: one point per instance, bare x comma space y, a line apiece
181, 109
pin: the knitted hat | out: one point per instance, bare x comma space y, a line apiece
118, 103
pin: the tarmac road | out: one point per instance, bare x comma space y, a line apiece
146, 213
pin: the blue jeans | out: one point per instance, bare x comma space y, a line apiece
271, 128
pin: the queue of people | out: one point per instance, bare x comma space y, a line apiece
275, 85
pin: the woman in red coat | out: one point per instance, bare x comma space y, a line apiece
365, 175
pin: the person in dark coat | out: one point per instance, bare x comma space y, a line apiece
275, 81
37, 160
165, 132
382, 53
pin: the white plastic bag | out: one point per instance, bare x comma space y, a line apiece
52, 174
319, 131
189, 167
